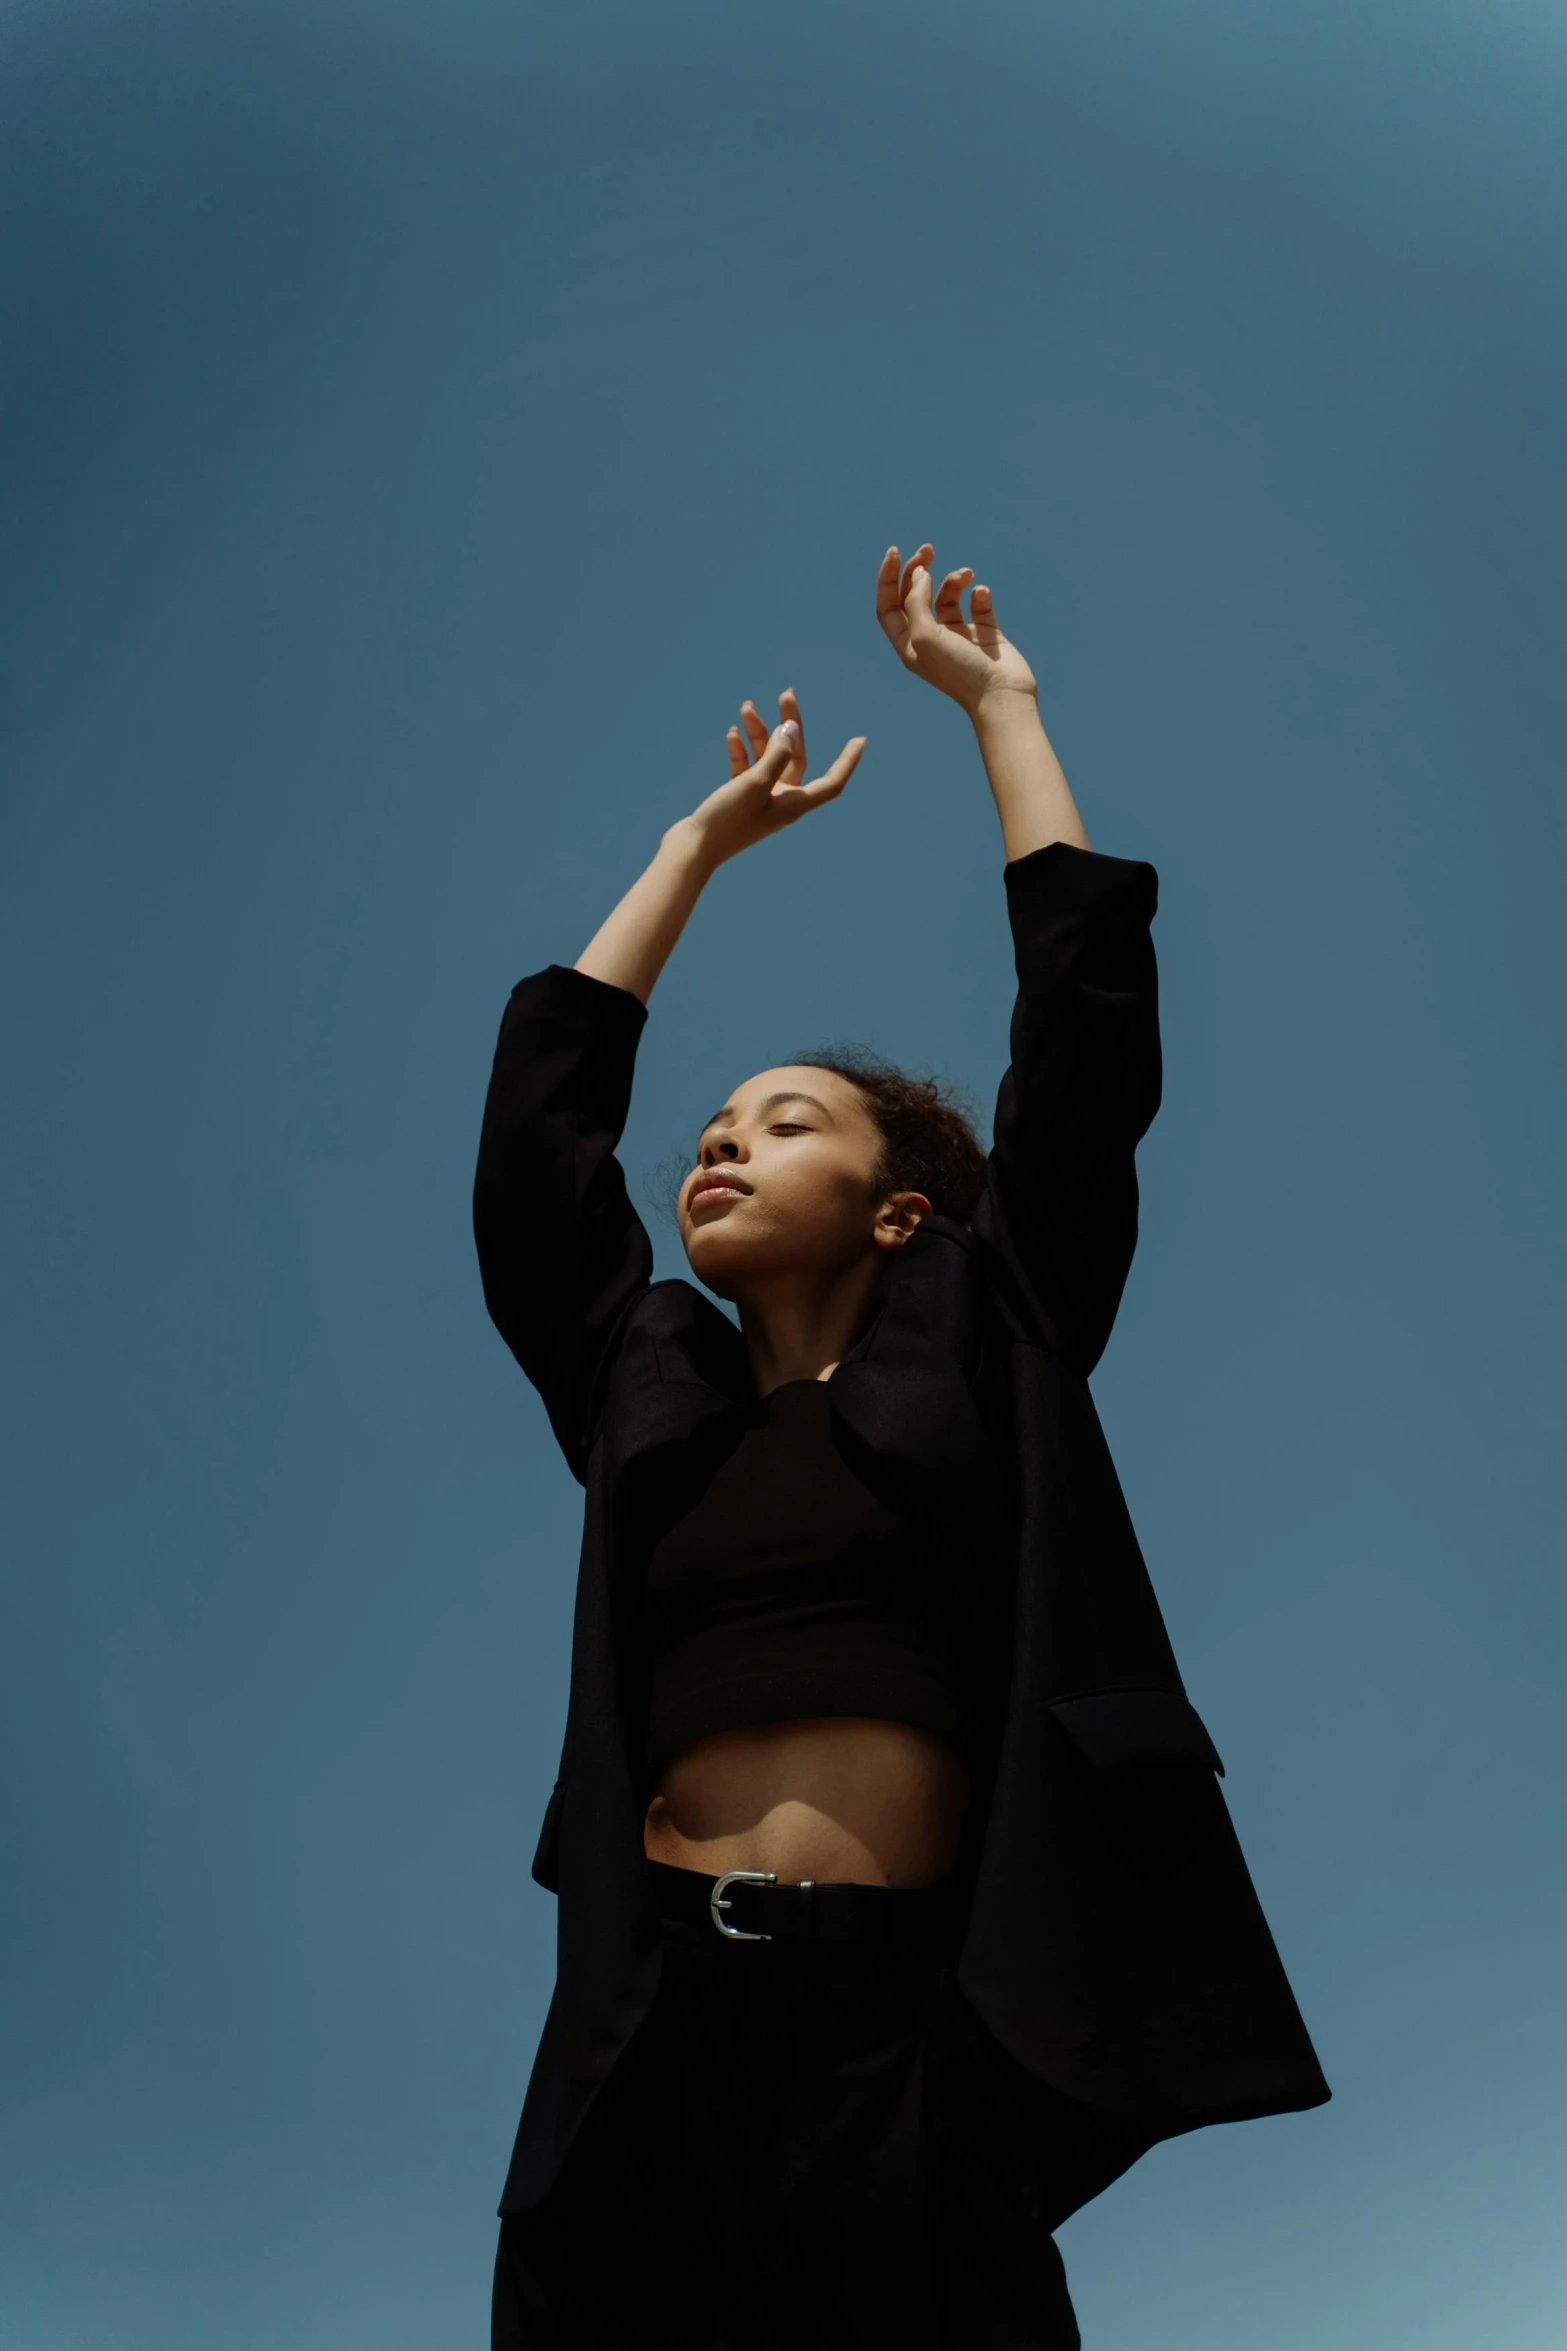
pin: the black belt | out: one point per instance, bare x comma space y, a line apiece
752, 1906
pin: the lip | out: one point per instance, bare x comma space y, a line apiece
713, 1187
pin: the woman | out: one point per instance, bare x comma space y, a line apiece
899, 1910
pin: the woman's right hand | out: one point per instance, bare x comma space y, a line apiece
766, 788
970, 660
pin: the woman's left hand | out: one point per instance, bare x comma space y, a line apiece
767, 787
970, 660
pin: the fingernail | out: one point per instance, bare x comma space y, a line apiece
791, 730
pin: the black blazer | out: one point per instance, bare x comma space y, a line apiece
1115, 1945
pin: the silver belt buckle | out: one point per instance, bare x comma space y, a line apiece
716, 1902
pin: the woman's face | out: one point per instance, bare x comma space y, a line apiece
784, 1183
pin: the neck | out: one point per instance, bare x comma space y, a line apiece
801, 1329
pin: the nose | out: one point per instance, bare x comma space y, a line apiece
718, 1147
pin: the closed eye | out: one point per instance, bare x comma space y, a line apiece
787, 1127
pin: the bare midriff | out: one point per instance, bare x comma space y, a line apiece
837, 1798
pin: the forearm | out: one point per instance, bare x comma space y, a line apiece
631, 947
1033, 799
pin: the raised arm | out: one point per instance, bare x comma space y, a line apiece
1084, 1080
1080, 1091
563, 1254
766, 791
974, 665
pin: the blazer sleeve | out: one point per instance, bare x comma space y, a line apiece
1060, 1204
563, 1254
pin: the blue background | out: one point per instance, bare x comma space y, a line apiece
423, 423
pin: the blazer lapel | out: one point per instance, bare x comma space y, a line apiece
902, 1400
682, 1387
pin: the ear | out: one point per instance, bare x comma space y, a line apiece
897, 1217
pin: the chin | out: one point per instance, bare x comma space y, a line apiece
718, 1270
728, 1263
724, 1255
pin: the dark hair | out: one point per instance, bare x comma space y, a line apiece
928, 1142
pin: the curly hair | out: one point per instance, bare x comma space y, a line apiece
928, 1141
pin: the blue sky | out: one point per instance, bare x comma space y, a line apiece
422, 425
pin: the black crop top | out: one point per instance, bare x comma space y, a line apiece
791, 1591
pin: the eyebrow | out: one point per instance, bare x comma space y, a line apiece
791, 1094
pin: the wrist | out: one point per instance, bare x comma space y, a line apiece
1004, 709
688, 849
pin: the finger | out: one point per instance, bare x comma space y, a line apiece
755, 728
825, 787
789, 713
772, 763
916, 605
949, 597
739, 753
889, 598
831, 784
983, 611
922, 558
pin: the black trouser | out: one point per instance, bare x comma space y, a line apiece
807, 2143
